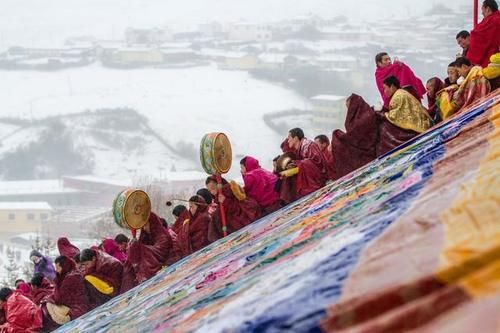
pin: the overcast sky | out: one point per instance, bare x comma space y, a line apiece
41, 22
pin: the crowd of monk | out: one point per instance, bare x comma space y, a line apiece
80, 280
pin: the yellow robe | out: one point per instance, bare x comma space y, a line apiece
406, 112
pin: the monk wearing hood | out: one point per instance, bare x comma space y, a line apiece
67, 249
260, 184
193, 235
356, 146
69, 300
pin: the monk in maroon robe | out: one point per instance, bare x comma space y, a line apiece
406, 77
194, 232
146, 256
180, 213
326, 149
485, 37
405, 119
104, 267
356, 146
41, 288
69, 291
312, 173
240, 209
260, 184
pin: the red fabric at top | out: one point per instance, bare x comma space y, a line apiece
21, 314
356, 146
405, 76
260, 183
66, 248
484, 40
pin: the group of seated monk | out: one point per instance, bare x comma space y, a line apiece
79, 281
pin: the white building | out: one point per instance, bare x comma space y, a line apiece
249, 32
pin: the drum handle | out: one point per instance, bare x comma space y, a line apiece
222, 212
170, 203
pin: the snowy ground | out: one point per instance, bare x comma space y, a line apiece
181, 104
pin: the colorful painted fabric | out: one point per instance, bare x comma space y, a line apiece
412, 234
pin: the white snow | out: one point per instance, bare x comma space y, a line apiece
181, 104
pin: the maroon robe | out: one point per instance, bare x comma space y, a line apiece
194, 232
260, 185
111, 247
392, 136
109, 270
39, 293
180, 220
238, 213
312, 171
147, 255
355, 147
69, 291
66, 248
484, 40
405, 76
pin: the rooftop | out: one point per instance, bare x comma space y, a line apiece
16, 205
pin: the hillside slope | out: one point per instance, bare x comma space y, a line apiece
410, 240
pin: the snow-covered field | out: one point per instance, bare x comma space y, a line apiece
181, 104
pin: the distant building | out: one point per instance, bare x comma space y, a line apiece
147, 36
137, 56
249, 32
212, 29
18, 217
239, 61
51, 191
328, 111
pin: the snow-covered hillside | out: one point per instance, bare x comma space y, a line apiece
181, 104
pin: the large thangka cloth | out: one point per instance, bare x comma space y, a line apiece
409, 241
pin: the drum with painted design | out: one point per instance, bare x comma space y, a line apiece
215, 153
131, 209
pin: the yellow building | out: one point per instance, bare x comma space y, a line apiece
20, 217
240, 61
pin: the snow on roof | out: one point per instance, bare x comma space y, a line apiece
101, 180
332, 98
34, 187
16, 205
176, 51
178, 45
